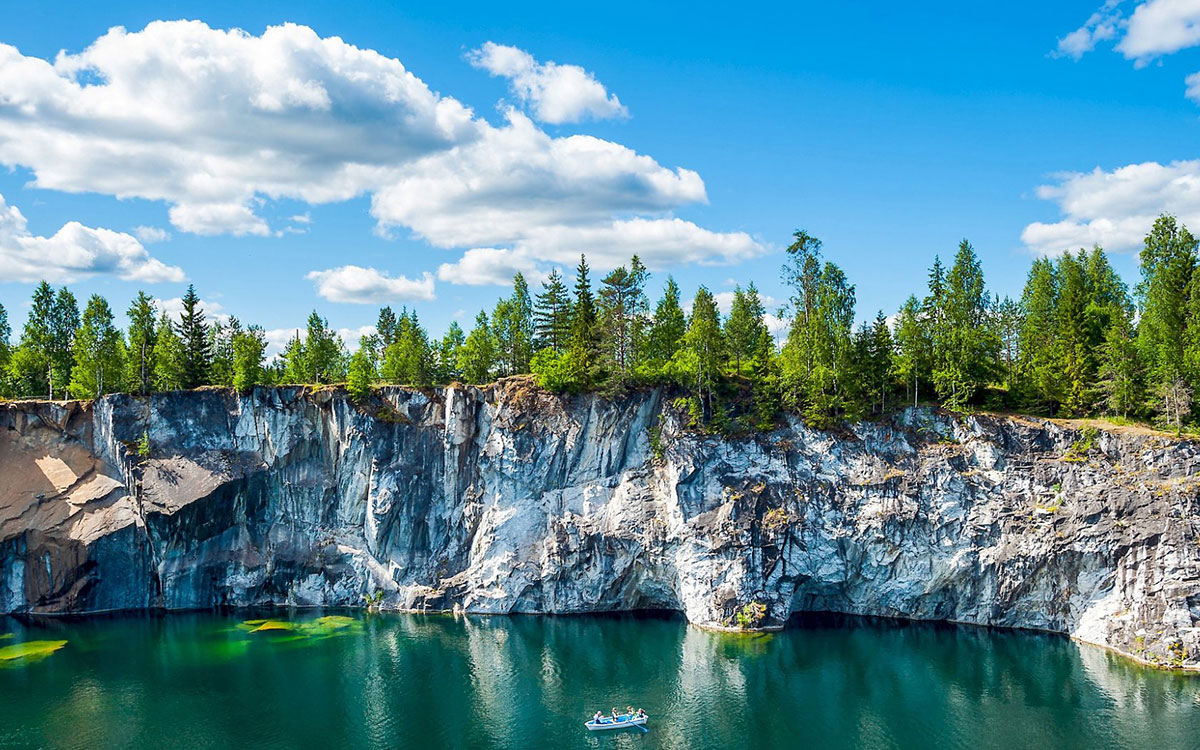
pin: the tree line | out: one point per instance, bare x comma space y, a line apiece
1076, 342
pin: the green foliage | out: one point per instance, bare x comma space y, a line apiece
750, 615
360, 376
552, 314
553, 370
623, 317
476, 357
99, 352
249, 352
143, 333
193, 337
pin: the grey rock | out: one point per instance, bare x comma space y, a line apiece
509, 499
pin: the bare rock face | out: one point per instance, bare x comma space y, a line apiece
508, 499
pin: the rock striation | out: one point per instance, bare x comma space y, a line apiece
508, 499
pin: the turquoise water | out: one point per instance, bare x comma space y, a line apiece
401, 681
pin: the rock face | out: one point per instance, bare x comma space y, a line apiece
508, 499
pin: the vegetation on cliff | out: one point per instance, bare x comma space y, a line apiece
1075, 343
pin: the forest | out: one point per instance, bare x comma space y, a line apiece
1077, 342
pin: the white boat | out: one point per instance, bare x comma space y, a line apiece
622, 721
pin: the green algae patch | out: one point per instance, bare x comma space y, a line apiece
28, 652
273, 625
6, 636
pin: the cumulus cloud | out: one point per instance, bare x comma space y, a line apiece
74, 252
724, 301
1155, 28
1115, 209
554, 93
1161, 27
490, 265
1101, 26
174, 308
366, 286
218, 124
151, 234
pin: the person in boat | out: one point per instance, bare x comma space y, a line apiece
641, 713
598, 718
614, 713
629, 711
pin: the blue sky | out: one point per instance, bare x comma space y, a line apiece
890, 132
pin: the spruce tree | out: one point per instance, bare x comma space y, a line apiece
666, 331
966, 350
622, 315
193, 336
1168, 262
139, 364
294, 363
703, 349
583, 361
1120, 367
552, 314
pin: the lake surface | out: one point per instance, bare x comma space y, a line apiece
335, 680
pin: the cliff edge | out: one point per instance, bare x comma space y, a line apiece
510, 499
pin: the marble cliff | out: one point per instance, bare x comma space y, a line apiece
507, 499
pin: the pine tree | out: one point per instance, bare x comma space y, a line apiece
1120, 367
193, 335
249, 349
30, 366
817, 356
512, 329
99, 352
552, 314
699, 361
966, 351
622, 315
169, 357
765, 379
476, 357
1074, 347
744, 326
1168, 262
666, 331
139, 365
409, 360
582, 354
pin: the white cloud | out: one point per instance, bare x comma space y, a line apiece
555, 93
278, 338
1155, 28
218, 124
174, 308
1193, 84
1115, 209
151, 234
74, 252
725, 301
207, 120
490, 265
1101, 26
1161, 27
304, 218
365, 286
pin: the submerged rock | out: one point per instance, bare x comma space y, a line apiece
509, 499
